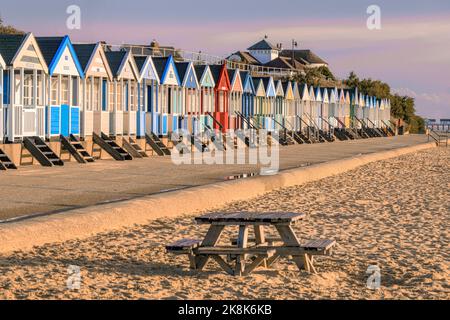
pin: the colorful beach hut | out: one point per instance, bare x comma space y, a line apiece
222, 95
97, 98
170, 96
125, 92
248, 97
148, 89
190, 96
2, 89
24, 86
289, 100
235, 97
279, 105
207, 98
64, 82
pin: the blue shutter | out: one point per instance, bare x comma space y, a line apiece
104, 92
5, 88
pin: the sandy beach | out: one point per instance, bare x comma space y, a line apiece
393, 214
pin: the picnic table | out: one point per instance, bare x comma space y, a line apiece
246, 254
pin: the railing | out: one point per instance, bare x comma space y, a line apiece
201, 58
441, 138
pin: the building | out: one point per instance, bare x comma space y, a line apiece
264, 53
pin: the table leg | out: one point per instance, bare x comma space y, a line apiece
211, 239
289, 238
241, 243
260, 239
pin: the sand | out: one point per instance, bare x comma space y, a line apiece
393, 214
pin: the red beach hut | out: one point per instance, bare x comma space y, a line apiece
222, 95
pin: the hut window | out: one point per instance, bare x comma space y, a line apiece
40, 89
111, 95
119, 97
75, 92
54, 91
133, 96
65, 90
88, 94
96, 100
28, 89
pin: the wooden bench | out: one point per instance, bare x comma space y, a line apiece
258, 254
306, 251
185, 247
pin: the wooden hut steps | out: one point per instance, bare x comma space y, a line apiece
74, 147
157, 145
111, 147
133, 148
5, 162
42, 152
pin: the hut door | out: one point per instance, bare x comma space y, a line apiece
65, 120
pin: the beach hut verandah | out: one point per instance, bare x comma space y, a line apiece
207, 98
24, 86
222, 95
170, 96
63, 87
235, 97
97, 98
248, 98
148, 95
190, 96
124, 91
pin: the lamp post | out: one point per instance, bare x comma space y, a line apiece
294, 45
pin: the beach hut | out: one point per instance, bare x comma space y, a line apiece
125, 92
324, 112
24, 86
97, 98
170, 96
279, 105
268, 110
260, 98
306, 94
64, 82
222, 95
207, 99
289, 103
190, 96
235, 96
248, 97
331, 106
2, 89
298, 106
148, 95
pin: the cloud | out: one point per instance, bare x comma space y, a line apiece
428, 104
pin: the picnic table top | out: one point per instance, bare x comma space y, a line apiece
251, 218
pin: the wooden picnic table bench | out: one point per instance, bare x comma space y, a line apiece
258, 250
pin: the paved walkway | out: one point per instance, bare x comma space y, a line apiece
37, 190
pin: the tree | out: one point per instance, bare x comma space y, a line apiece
402, 107
6, 29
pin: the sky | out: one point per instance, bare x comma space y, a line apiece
411, 51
